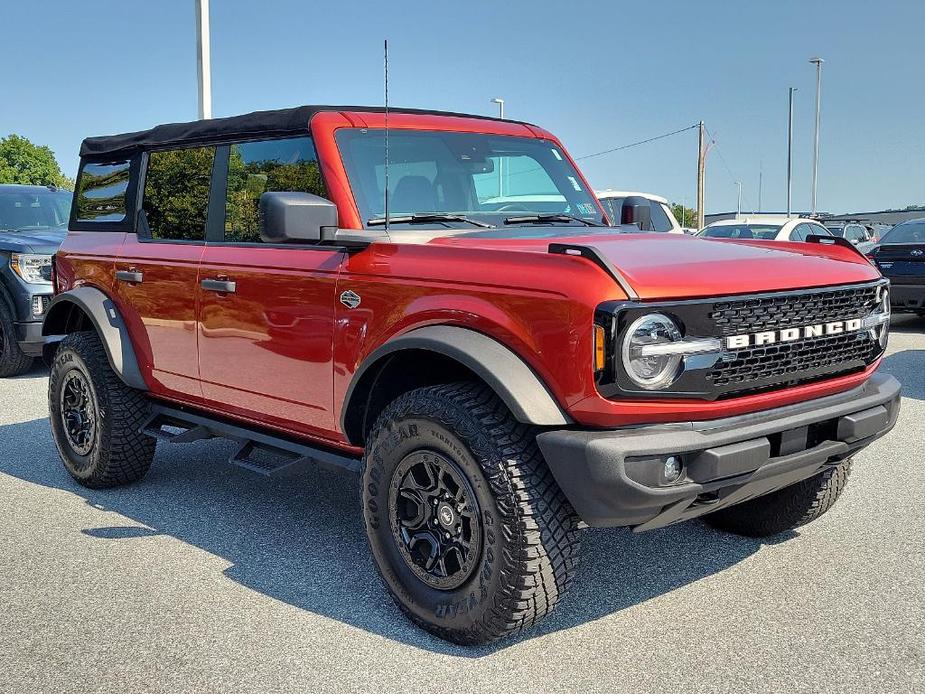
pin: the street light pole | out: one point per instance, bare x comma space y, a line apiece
701, 170
739, 199
203, 59
818, 63
790, 153
500, 103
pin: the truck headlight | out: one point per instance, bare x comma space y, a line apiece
878, 321
645, 360
34, 269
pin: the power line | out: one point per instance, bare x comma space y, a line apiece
735, 180
636, 144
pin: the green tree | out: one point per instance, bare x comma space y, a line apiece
685, 215
23, 162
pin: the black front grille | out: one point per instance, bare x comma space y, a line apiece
773, 311
789, 363
754, 368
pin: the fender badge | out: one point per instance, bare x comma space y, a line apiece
350, 299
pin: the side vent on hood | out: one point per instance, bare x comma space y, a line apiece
595, 256
834, 241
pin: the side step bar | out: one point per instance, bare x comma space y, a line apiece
259, 451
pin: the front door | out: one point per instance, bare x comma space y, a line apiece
266, 312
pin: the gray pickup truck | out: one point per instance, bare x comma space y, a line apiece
33, 223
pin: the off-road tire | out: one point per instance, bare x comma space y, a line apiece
530, 539
12, 360
785, 509
119, 454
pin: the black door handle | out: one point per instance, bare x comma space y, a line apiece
223, 286
132, 276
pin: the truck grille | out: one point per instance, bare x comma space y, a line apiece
784, 363
755, 368
788, 310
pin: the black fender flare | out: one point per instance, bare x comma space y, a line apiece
109, 325
509, 376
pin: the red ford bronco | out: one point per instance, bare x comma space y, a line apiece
438, 303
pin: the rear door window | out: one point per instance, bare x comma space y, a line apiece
176, 194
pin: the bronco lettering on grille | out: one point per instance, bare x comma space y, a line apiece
770, 337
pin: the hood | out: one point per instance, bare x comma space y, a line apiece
43, 241
676, 266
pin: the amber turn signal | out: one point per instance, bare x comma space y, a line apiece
600, 338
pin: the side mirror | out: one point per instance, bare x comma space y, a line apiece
636, 211
295, 217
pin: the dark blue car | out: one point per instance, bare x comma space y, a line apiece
33, 223
901, 257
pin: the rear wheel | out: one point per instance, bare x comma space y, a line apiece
469, 530
787, 508
12, 360
95, 417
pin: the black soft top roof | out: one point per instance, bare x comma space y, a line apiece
278, 123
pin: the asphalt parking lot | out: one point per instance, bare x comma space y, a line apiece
205, 578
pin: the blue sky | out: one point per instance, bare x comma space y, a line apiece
599, 75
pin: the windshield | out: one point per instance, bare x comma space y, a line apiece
486, 178
907, 232
21, 210
743, 231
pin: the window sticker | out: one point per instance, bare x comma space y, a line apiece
574, 183
556, 154
586, 208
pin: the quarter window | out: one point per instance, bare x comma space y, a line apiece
255, 168
101, 192
176, 197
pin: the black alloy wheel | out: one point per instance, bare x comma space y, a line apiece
78, 413
435, 519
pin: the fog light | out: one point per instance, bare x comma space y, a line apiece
40, 305
672, 469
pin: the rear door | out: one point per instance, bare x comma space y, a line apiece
157, 269
266, 312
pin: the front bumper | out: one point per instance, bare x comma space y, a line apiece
30, 339
907, 297
612, 477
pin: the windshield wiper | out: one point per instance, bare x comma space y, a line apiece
426, 219
544, 218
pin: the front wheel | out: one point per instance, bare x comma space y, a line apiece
787, 508
470, 532
95, 417
12, 360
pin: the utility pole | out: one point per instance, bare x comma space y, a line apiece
790, 153
701, 165
760, 167
203, 59
739, 199
818, 63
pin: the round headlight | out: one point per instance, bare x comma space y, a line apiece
642, 360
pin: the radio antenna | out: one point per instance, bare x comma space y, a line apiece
386, 51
